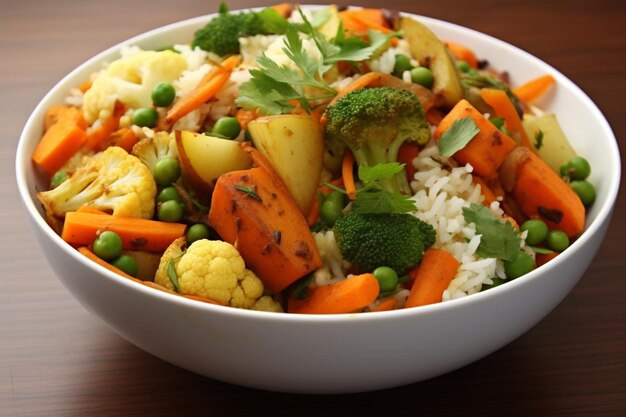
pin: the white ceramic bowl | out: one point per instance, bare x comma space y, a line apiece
335, 353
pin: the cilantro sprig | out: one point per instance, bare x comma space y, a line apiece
275, 88
457, 136
372, 198
498, 239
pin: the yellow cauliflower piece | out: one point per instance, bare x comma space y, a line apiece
210, 269
131, 81
267, 303
112, 181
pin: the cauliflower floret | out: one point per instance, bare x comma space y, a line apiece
150, 150
131, 81
111, 181
267, 303
211, 269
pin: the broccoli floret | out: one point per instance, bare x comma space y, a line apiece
383, 239
374, 123
221, 35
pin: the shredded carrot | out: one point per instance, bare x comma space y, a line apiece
208, 87
504, 108
534, 89
82, 228
347, 174
463, 53
245, 116
99, 137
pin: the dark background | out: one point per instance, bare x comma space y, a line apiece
57, 360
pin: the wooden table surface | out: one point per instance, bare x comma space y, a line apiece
58, 360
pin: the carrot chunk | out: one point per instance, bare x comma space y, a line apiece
432, 277
82, 228
347, 296
487, 150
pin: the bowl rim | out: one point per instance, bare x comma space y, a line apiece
23, 164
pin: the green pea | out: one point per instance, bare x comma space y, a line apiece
108, 245
387, 278
403, 63
330, 211
197, 231
522, 264
166, 170
337, 197
167, 194
58, 178
577, 168
170, 211
495, 282
126, 263
422, 76
537, 231
557, 240
585, 191
227, 127
163, 94
463, 66
145, 117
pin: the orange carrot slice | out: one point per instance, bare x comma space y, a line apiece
347, 296
82, 228
504, 108
208, 87
432, 276
487, 150
463, 53
534, 89
65, 136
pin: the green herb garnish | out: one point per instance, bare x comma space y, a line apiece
457, 136
273, 88
173, 276
249, 192
498, 238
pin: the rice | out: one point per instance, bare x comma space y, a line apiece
441, 193
386, 61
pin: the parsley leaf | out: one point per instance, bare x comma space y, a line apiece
498, 239
377, 200
369, 174
372, 198
273, 87
457, 136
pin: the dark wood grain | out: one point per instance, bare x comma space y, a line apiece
57, 360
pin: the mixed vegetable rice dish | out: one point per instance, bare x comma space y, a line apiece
339, 160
